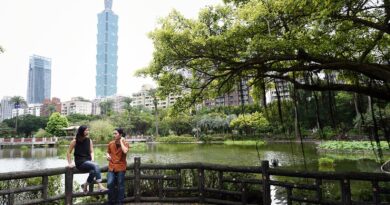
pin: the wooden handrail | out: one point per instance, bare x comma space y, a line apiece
169, 180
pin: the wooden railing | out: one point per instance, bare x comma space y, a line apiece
28, 141
203, 183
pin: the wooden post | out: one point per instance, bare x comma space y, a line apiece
11, 199
68, 186
201, 184
45, 184
266, 184
160, 184
220, 182
375, 191
289, 195
319, 189
178, 181
243, 193
137, 179
345, 191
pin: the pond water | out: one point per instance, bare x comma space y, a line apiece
289, 155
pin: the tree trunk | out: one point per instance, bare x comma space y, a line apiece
384, 126
156, 116
264, 98
375, 129
330, 101
357, 109
279, 106
319, 125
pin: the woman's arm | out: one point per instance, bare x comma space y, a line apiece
69, 152
92, 155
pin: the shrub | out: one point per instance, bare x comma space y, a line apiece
101, 130
175, 139
326, 162
42, 133
244, 142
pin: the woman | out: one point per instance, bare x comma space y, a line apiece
116, 155
84, 158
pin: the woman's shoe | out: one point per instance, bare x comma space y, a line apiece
102, 189
84, 187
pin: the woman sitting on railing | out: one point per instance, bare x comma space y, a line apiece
84, 158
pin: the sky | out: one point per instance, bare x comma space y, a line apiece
66, 30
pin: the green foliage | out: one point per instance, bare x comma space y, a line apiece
27, 124
101, 131
138, 147
351, 145
24, 147
5, 130
42, 133
325, 162
250, 123
175, 139
180, 124
81, 118
244, 142
56, 123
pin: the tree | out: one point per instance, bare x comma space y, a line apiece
51, 108
56, 123
265, 40
250, 123
153, 93
18, 102
101, 130
106, 107
30, 123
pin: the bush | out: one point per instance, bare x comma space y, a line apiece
326, 162
42, 133
175, 139
328, 132
244, 142
101, 131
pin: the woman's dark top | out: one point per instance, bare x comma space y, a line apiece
82, 151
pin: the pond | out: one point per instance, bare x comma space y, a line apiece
289, 155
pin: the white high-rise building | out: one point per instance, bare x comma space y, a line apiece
6, 108
144, 99
76, 106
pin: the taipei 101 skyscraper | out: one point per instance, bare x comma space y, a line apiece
107, 49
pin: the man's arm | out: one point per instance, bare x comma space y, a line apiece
124, 145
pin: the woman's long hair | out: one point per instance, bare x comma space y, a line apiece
80, 133
120, 131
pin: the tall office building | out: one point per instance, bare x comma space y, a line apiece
107, 47
6, 108
39, 79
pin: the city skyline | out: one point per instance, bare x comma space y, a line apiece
66, 32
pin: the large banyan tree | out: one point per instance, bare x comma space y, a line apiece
304, 42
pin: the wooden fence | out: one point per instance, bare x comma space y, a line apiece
206, 183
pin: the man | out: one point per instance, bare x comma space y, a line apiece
116, 155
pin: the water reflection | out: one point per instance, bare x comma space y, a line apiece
289, 156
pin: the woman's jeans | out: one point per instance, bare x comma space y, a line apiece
116, 187
93, 169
